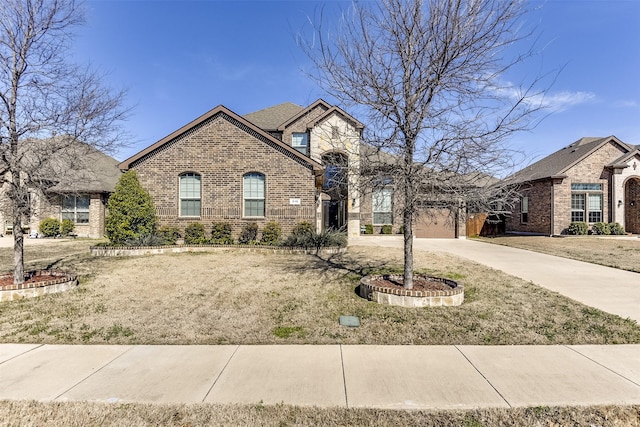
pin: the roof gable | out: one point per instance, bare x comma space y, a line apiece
236, 120
561, 161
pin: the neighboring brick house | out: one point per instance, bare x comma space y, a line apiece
285, 163
591, 180
76, 187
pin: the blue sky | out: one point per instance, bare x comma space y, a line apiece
179, 59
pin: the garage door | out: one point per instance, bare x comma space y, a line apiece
435, 223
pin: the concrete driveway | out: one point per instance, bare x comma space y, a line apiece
608, 289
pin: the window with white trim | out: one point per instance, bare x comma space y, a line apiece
300, 141
254, 194
524, 210
190, 201
76, 208
383, 206
586, 202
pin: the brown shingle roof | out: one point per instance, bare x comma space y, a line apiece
559, 162
270, 118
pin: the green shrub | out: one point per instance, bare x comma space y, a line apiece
221, 233
601, 228
66, 227
154, 239
169, 235
302, 228
368, 229
249, 233
386, 229
616, 229
271, 233
49, 227
194, 234
401, 229
131, 211
578, 228
326, 238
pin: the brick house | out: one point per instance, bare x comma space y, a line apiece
75, 186
285, 163
591, 180
263, 167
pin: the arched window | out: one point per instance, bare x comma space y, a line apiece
254, 195
190, 194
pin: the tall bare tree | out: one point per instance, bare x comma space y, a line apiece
47, 105
427, 78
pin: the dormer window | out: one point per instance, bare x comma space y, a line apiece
300, 141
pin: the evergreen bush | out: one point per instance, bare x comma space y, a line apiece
221, 233
194, 234
249, 233
131, 211
169, 235
601, 228
271, 233
616, 229
49, 227
66, 227
578, 228
368, 229
386, 229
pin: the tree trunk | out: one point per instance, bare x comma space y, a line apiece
408, 248
18, 250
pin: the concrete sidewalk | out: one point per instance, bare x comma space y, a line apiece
395, 377
608, 289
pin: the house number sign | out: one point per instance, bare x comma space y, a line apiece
295, 202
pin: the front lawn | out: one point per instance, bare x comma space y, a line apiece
622, 253
229, 297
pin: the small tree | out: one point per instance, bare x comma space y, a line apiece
429, 78
131, 211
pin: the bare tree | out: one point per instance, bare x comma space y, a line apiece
426, 77
47, 105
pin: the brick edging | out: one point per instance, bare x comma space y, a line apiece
153, 250
456, 288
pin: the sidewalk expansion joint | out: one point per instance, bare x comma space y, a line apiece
23, 353
220, 374
344, 379
604, 366
483, 376
131, 347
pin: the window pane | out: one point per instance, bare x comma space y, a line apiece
577, 216
254, 208
190, 208
69, 216
382, 218
382, 206
595, 202
525, 205
299, 140
595, 216
68, 203
190, 186
82, 217
253, 186
82, 203
586, 187
578, 201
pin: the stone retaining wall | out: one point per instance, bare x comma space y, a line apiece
152, 250
61, 283
412, 298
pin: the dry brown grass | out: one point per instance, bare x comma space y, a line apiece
610, 251
23, 413
229, 297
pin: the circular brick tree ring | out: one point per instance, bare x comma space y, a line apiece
428, 291
36, 283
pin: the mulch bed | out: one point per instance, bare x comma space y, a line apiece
31, 278
420, 283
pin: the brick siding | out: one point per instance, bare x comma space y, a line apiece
221, 152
